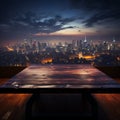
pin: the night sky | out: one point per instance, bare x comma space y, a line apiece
59, 19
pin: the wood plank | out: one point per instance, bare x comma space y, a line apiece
110, 104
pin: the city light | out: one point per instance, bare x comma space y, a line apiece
81, 51
46, 60
9, 48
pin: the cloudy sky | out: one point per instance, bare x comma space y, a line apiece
59, 19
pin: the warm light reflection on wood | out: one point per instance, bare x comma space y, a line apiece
55, 76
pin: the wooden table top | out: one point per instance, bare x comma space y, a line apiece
60, 78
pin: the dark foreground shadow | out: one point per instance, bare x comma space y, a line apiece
62, 107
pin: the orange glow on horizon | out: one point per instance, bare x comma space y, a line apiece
69, 32
65, 32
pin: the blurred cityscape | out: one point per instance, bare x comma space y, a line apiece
104, 53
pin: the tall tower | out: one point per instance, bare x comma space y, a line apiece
113, 44
85, 40
113, 40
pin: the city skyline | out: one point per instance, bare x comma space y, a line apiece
59, 20
74, 52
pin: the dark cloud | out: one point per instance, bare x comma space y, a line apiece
95, 4
101, 17
32, 23
102, 10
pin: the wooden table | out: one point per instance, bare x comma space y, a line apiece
61, 78
40, 79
